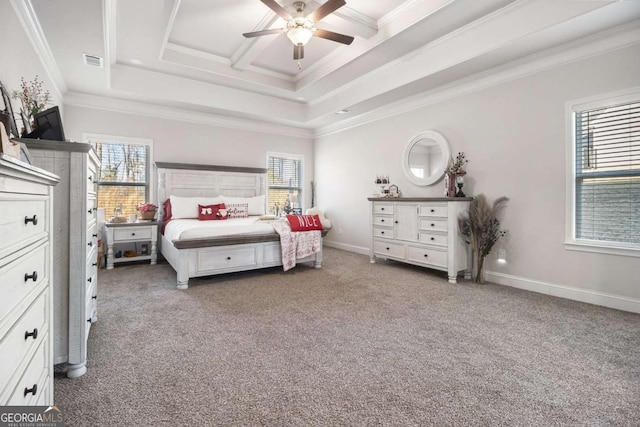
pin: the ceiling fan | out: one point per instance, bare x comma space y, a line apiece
301, 28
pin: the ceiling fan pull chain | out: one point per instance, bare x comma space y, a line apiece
299, 65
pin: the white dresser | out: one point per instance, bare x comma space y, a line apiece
26, 353
421, 231
75, 252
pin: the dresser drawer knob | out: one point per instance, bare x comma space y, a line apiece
33, 276
90, 211
433, 225
133, 234
33, 334
228, 258
433, 238
33, 219
89, 320
33, 390
432, 210
382, 220
89, 280
387, 248
382, 232
95, 234
425, 255
95, 264
90, 243
396, 222
90, 178
94, 297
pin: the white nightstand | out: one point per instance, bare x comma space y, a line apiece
142, 232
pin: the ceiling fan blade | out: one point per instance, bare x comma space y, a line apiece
325, 9
263, 32
298, 52
330, 35
271, 4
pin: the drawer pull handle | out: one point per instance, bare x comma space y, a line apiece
33, 219
95, 234
89, 211
89, 320
95, 264
94, 297
228, 258
33, 390
133, 234
381, 209
396, 222
433, 238
33, 276
91, 178
382, 232
387, 248
90, 243
433, 225
425, 255
89, 279
33, 334
432, 210
382, 220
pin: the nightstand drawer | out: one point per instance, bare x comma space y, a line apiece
388, 249
131, 233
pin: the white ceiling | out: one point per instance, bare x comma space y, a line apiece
189, 56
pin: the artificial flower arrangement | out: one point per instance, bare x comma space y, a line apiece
33, 97
147, 210
457, 167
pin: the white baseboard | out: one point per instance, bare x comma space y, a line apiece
561, 291
350, 248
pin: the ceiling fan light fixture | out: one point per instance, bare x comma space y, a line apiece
300, 36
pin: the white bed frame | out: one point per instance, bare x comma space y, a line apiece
218, 255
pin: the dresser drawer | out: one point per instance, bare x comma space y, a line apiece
383, 208
433, 210
35, 378
427, 256
383, 232
388, 249
92, 210
383, 221
21, 222
20, 277
220, 259
25, 335
433, 224
131, 233
272, 254
434, 239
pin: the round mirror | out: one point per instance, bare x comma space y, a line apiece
425, 157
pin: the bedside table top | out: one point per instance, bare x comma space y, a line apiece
130, 224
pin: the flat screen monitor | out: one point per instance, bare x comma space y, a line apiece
48, 125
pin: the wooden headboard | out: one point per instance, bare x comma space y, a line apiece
191, 180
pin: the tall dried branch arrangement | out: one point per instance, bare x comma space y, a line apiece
481, 228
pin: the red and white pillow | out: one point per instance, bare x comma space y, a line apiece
212, 212
304, 222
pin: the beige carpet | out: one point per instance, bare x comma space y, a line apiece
351, 344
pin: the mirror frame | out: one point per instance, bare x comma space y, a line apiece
439, 171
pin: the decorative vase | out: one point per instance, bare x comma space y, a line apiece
450, 184
478, 268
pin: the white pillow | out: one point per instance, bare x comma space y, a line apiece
256, 204
187, 207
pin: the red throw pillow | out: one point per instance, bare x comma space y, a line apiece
167, 210
304, 222
212, 212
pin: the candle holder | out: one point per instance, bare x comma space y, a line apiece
460, 183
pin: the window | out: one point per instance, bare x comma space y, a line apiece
606, 175
124, 178
284, 181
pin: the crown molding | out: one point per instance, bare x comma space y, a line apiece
29, 21
122, 106
593, 45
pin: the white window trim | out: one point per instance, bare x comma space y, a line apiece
570, 242
299, 157
94, 137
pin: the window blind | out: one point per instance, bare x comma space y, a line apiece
607, 174
124, 176
284, 181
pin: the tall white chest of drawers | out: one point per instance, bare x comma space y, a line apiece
75, 251
26, 370
420, 231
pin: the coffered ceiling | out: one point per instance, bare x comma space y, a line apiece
189, 57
